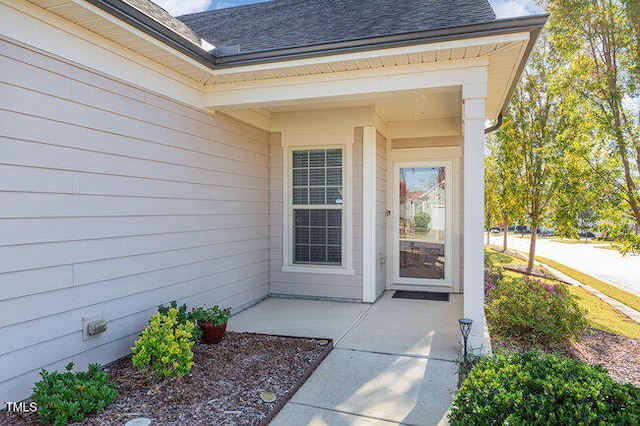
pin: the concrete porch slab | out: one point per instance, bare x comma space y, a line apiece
409, 327
296, 317
398, 389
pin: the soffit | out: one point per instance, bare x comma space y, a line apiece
102, 23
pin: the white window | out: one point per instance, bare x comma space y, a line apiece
316, 209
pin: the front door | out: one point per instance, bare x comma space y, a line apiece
423, 225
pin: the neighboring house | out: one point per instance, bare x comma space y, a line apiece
140, 165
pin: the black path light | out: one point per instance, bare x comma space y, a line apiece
465, 329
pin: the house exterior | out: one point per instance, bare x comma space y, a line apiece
140, 164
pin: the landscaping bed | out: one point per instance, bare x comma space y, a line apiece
620, 355
224, 385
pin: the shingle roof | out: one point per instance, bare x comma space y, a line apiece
163, 17
288, 23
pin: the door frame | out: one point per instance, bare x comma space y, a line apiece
450, 158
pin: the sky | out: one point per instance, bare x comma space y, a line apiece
503, 8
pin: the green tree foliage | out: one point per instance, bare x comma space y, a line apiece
533, 142
599, 41
502, 170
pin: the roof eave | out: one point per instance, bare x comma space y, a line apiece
155, 29
532, 24
535, 33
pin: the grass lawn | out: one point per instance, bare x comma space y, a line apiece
625, 297
601, 315
575, 241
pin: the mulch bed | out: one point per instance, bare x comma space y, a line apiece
618, 354
223, 388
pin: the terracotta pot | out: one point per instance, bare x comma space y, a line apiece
212, 333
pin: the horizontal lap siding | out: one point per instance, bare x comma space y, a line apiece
114, 200
305, 284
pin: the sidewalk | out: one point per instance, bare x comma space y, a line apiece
393, 361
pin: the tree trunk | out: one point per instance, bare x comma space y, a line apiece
532, 247
488, 235
504, 233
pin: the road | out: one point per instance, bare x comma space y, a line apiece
606, 265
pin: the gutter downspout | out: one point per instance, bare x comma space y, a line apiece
495, 126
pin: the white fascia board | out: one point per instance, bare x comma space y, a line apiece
377, 53
372, 82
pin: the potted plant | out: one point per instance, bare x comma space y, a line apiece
212, 321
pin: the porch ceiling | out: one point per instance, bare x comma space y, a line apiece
440, 103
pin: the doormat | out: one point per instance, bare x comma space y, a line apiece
421, 295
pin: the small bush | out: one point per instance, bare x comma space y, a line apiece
534, 313
422, 222
535, 389
183, 318
65, 397
214, 315
492, 274
165, 346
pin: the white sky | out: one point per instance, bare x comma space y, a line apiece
503, 8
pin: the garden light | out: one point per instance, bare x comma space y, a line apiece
465, 329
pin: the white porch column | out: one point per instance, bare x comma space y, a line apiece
474, 118
369, 214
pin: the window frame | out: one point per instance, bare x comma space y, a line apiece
288, 265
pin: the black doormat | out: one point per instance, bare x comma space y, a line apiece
421, 295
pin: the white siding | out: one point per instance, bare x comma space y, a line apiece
114, 200
304, 284
381, 213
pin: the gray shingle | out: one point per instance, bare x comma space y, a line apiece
288, 23
162, 16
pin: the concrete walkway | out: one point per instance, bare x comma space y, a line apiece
393, 361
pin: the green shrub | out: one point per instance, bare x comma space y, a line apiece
65, 397
183, 318
535, 389
214, 315
165, 346
422, 222
492, 273
534, 313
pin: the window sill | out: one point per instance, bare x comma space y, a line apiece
317, 270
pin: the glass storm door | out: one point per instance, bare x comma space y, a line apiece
423, 224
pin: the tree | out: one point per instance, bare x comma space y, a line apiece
534, 138
600, 39
501, 197
491, 188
